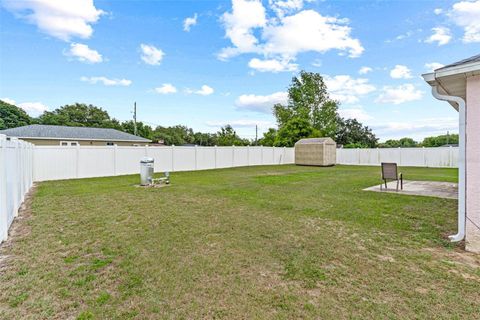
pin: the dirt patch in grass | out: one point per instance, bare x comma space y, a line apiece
18, 229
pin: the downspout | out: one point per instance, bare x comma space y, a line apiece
461, 162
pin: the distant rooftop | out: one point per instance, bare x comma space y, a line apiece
38, 131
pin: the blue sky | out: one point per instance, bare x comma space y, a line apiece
208, 63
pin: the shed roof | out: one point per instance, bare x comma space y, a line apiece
37, 131
326, 140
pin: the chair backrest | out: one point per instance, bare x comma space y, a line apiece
389, 170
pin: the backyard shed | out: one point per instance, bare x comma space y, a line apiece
316, 152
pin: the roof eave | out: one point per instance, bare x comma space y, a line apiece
81, 139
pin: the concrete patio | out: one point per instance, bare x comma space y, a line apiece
437, 189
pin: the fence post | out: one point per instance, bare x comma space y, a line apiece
450, 157
77, 160
424, 157
248, 155
114, 159
358, 156
3, 189
233, 156
215, 148
196, 157
284, 154
399, 156
173, 158
261, 153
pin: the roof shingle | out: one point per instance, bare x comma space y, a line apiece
63, 132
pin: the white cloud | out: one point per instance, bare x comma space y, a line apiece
355, 113
365, 70
189, 22
466, 14
34, 109
317, 63
400, 94
151, 55
282, 7
239, 25
400, 72
438, 11
272, 65
203, 91
308, 30
431, 66
60, 19
441, 35
346, 89
241, 123
417, 129
8, 100
260, 103
166, 88
83, 53
106, 81
281, 38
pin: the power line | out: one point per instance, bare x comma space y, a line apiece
135, 118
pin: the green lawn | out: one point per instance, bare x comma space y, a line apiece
280, 242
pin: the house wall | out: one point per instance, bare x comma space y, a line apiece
51, 142
472, 237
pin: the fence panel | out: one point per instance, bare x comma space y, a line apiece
61, 162
415, 157
15, 179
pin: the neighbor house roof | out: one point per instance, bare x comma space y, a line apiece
450, 79
48, 132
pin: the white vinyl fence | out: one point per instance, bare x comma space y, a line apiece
16, 179
60, 162
414, 157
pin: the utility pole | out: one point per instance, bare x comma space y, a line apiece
256, 134
135, 118
448, 137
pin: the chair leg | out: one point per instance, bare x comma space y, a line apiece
401, 182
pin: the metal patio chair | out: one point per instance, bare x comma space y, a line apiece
390, 172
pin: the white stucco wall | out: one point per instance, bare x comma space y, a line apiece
473, 165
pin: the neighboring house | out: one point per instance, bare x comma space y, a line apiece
46, 135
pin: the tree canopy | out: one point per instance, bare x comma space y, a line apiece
441, 140
80, 115
12, 116
311, 113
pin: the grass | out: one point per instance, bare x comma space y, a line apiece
281, 242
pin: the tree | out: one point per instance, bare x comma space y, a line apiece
228, 137
268, 138
308, 105
294, 130
205, 139
402, 143
441, 140
352, 134
176, 135
80, 115
12, 116
143, 130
